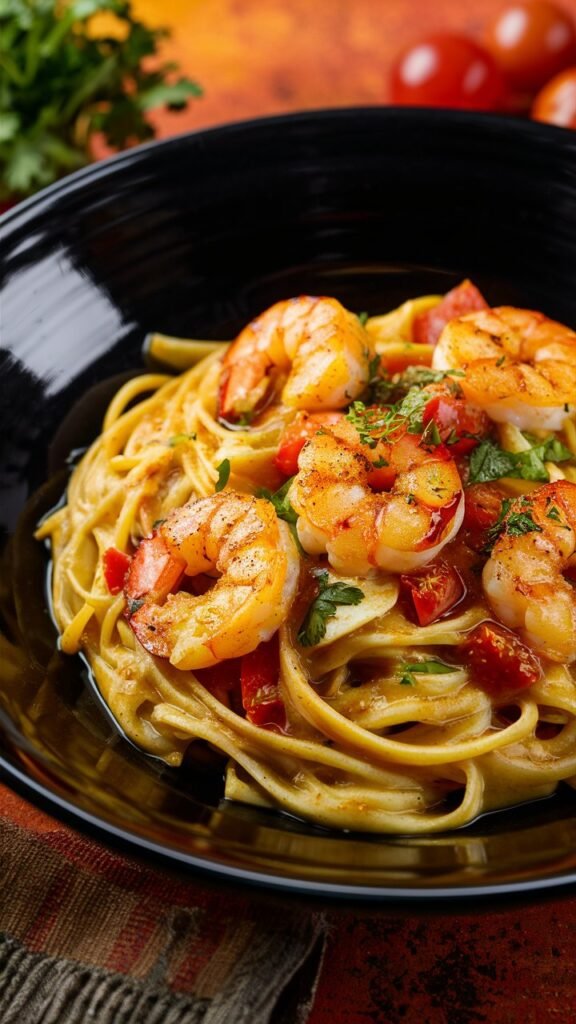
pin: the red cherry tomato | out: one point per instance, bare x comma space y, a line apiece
432, 591
556, 102
447, 70
532, 40
428, 326
456, 421
295, 435
499, 661
482, 508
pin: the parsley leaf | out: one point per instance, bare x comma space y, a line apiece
280, 501
223, 475
489, 462
363, 317
64, 78
323, 607
429, 666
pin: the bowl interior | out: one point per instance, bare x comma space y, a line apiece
193, 237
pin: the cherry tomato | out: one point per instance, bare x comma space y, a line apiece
556, 102
259, 675
447, 70
532, 40
465, 298
482, 508
499, 661
432, 591
116, 565
456, 421
295, 435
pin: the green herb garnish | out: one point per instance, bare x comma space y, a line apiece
363, 317
428, 666
134, 606
489, 462
280, 501
514, 524
62, 82
223, 475
323, 607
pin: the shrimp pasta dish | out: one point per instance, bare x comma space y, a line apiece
341, 551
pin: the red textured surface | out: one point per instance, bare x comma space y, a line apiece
256, 57
496, 965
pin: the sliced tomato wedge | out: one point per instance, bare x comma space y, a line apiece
432, 591
116, 566
428, 326
457, 420
295, 435
500, 663
259, 675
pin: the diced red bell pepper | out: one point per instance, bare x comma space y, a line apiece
259, 676
221, 679
500, 663
432, 591
428, 326
116, 565
301, 429
456, 421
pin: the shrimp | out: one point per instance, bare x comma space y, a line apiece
310, 352
236, 536
523, 578
361, 529
520, 367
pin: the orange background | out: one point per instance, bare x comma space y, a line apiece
256, 57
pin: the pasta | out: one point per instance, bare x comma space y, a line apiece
340, 552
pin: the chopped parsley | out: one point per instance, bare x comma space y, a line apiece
323, 607
429, 666
134, 606
489, 462
514, 523
363, 317
223, 475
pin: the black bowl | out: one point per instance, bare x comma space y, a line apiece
192, 237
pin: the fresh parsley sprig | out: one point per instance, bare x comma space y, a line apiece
324, 606
489, 462
63, 79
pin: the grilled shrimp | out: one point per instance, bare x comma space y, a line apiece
234, 535
310, 353
523, 578
360, 528
520, 367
